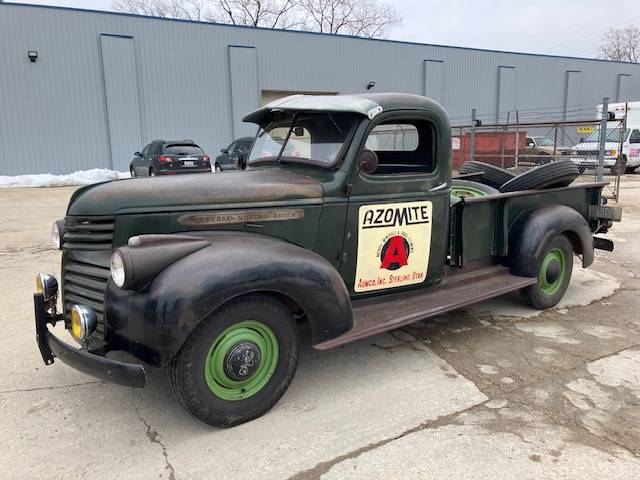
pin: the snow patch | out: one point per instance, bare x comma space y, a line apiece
81, 177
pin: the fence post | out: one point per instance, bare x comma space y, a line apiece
517, 138
472, 147
603, 138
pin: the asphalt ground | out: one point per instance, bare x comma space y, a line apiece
494, 391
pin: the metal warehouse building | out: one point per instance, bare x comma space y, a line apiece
83, 89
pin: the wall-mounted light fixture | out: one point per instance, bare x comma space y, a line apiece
33, 55
370, 85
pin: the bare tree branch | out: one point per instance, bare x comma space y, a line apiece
367, 18
621, 44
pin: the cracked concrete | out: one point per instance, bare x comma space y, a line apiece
493, 391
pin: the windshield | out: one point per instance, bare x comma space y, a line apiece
543, 141
301, 136
182, 150
613, 135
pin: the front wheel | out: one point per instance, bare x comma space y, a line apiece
554, 274
238, 362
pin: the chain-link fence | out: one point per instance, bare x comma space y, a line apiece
522, 146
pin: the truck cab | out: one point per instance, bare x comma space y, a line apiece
342, 226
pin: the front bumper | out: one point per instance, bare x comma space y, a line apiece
51, 347
593, 162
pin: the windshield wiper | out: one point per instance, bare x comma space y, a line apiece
286, 139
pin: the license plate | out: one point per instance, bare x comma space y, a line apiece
607, 213
188, 163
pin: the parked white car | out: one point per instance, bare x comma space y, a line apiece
585, 154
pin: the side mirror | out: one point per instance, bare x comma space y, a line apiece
242, 160
223, 150
368, 161
137, 154
298, 131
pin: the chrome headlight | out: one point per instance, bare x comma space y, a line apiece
83, 322
117, 267
47, 285
57, 232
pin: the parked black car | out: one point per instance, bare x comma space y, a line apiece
162, 157
229, 157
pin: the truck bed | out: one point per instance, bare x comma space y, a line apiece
380, 314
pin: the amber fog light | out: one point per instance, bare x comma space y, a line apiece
83, 322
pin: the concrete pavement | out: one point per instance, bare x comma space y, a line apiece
496, 391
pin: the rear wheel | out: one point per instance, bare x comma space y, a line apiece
630, 170
554, 274
238, 362
152, 172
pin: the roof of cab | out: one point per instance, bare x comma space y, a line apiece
367, 104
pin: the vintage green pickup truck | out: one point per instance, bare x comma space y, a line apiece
342, 226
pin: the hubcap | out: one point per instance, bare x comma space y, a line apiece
241, 360
552, 271
466, 192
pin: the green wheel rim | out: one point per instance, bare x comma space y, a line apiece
249, 331
466, 192
553, 255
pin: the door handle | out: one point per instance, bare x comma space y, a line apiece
442, 186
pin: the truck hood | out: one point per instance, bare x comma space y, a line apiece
195, 190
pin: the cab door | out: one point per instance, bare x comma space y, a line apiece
396, 233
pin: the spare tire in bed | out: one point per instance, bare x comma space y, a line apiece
552, 175
468, 189
491, 175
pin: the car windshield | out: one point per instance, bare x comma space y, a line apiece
301, 136
183, 150
613, 135
543, 141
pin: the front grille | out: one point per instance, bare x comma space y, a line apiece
87, 247
88, 233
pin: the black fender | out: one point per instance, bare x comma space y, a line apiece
153, 322
533, 230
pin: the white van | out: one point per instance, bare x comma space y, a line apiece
630, 153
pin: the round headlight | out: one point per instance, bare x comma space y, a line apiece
48, 286
56, 237
117, 269
83, 322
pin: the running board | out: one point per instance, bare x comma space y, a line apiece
380, 314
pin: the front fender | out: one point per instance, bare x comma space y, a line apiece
533, 230
154, 322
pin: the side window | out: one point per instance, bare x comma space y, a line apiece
145, 150
403, 148
156, 149
232, 148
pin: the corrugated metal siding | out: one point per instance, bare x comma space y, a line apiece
53, 114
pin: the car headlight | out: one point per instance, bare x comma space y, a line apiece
57, 233
83, 322
47, 285
118, 271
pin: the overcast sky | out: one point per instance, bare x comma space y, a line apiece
557, 27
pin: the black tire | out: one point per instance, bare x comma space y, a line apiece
152, 172
132, 171
552, 175
491, 175
630, 170
546, 293
217, 168
467, 189
187, 370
